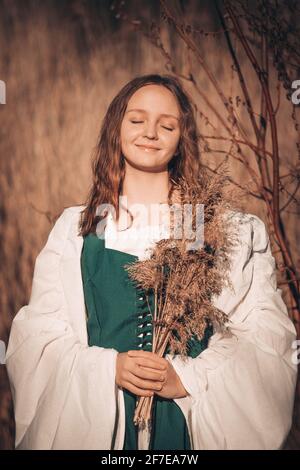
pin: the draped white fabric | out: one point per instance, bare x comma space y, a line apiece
241, 387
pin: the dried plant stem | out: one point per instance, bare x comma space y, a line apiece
175, 275
143, 410
164, 342
144, 404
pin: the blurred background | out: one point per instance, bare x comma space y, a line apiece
63, 61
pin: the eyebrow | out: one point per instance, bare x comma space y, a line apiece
145, 112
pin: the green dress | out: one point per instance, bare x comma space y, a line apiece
119, 318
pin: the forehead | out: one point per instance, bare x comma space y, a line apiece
154, 98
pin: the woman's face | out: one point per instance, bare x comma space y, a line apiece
151, 119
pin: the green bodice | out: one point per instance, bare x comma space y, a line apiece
119, 318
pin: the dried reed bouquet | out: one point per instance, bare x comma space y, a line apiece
184, 280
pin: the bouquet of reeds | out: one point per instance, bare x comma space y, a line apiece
185, 275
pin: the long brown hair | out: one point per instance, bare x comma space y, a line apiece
107, 165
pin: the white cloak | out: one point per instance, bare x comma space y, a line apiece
64, 393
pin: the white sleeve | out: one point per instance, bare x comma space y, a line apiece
241, 388
64, 392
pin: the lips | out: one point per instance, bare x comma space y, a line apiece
148, 147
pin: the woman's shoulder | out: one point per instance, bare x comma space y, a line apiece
69, 212
250, 229
74, 209
65, 219
243, 217
245, 220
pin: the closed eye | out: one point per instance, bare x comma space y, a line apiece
139, 122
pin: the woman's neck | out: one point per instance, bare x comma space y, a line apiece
146, 188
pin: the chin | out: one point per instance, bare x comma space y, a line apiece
143, 164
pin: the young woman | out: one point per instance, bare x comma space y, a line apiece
79, 353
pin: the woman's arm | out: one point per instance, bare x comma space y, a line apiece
64, 392
242, 386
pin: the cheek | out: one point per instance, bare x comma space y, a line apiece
128, 133
123, 133
173, 141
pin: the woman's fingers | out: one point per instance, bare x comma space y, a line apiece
148, 361
137, 391
143, 384
149, 373
147, 355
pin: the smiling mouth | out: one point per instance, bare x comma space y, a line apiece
148, 149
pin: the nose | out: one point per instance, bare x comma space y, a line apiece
150, 131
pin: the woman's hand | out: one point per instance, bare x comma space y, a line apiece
141, 375
172, 386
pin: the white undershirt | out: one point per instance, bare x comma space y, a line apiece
138, 239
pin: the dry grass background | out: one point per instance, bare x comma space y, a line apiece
63, 61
